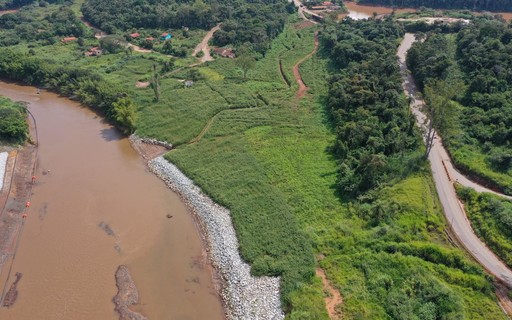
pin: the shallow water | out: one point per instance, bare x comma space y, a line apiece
68, 262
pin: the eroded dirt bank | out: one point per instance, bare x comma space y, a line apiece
94, 207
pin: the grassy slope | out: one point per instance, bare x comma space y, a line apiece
491, 218
281, 152
264, 156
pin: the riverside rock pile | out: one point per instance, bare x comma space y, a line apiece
245, 296
135, 138
127, 295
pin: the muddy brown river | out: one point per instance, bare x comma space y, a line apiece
68, 262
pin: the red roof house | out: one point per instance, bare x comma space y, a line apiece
135, 35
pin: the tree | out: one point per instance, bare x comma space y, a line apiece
125, 113
155, 83
245, 62
440, 110
112, 44
128, 51
13, 127
167, 47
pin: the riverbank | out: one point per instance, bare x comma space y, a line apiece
244, 296
15, 194
110, 185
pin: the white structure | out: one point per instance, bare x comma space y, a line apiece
3, 165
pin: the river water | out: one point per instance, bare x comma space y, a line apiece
68, 262
356, 11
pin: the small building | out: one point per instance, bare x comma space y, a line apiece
165, 36
327, 3
224, 52
188, 83
150, 39
69, 39
94, 52
134, 35
318, 8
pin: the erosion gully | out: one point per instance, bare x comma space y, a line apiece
95, 178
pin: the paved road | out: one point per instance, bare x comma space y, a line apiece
444, 175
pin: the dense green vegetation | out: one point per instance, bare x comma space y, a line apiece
253, 22
88, 87
45, 26
15, 4
494, 5
477, 65
13, 126
491, 218
268, 157
389, 219
375, 131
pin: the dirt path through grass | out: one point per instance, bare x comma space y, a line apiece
296, 72
203, 45
2, 12
334, 299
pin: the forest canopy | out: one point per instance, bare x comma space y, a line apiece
480, 57
374, 130
256, 22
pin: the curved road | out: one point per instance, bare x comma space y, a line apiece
444, 175
296, 72
203, 45
302, 9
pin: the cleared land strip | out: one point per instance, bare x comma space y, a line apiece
453, 209
296, 72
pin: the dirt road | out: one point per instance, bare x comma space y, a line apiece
333, 298
296, 72
444, 174
203, 45
2, 12
302, 9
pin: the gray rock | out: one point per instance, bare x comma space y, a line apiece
245, 297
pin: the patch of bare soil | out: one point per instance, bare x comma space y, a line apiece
502, 293
2, 12
203, 45
12, 294
303, 25
140, 84
296, 73
127, 295
148, 151
334, 299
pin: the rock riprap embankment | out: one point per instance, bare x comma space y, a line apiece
245, 297
127, 295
